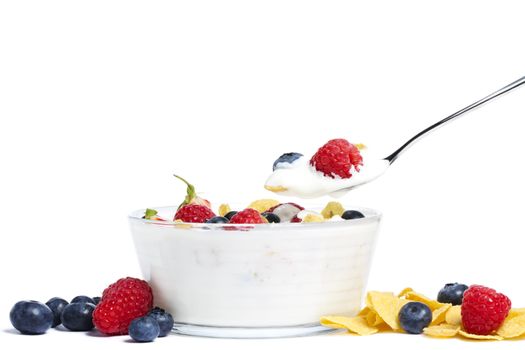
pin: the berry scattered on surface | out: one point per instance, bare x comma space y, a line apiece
248, 216
285, 160
452, 293
286, 211
414, 317
194, 213
337, 158
31, 317
271, 217
144, 329
217, 220
230, 214
122, 302
164, 319
483, 310
56, 305
82, 299
352, 214
78, 316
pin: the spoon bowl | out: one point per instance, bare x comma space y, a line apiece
303, 181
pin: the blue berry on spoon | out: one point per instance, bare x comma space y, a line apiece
286, 159
31, 317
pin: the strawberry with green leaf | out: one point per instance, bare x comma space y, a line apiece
191, 196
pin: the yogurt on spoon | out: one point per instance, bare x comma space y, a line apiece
333, 170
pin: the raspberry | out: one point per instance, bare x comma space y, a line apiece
336, 158
121, 303
194, 213
248, 216
483, 310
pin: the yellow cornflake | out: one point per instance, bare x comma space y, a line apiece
453, 316
512, 327
224, 209
404, 292
355, 324
387, 306
438, 315
360, 146
262, 205
442, 331
516, 312
313, 218
382, 312
432, 304
479, 337
331, 209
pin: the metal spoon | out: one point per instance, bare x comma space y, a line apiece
315, 187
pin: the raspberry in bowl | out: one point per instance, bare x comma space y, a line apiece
254, 277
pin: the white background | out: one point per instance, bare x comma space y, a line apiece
101, 101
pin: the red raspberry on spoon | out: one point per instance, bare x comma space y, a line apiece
337, 158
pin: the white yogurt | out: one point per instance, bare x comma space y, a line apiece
300, 179
273, 275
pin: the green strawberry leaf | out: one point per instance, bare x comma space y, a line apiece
190, 192
150, 213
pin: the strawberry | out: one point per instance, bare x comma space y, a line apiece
191, 195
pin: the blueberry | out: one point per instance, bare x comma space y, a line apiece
144, 329
271, 217
230, 214
56, 305
218, 220
31, 317
415, 316
452, 293
96, 300
352, 214
286, 158
164, 319
78, 316
82, 299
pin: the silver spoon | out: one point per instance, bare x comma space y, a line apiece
316, 186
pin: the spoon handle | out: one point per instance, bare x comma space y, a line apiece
391, 158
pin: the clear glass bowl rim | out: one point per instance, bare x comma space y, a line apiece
371, 215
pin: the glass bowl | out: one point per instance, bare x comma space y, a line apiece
255, 281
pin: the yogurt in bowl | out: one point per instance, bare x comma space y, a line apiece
260, 280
